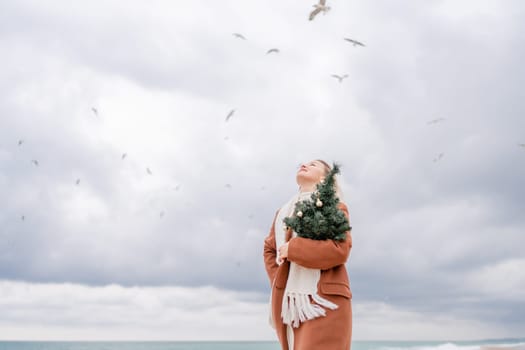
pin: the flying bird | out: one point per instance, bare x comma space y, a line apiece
238, 35
435, 121
320, 7
161, 214
35, 162
228, 186
23, 217
438, 157
340, 78
149, 171
124, 155
20, 142
354, 42
521, 144
272, 50
95, 111
77, 182
230, 114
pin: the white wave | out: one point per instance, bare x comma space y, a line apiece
455, 346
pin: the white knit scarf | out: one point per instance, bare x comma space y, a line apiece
302, 282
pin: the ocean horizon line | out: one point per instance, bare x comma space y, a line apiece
263, 340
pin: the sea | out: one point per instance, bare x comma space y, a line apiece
503, 344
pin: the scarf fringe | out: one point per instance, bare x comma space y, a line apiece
297, 308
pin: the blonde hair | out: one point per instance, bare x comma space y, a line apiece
327, 169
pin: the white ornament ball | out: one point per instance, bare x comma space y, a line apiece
319, 203
300, 214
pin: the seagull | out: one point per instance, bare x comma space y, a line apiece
438, 157
35, 162
161, 214
521, 144
240, 36
340, 78
355, 42
149, 171
228, 186
272, 50
20, 142
230, 114
23, 217
95, 111
321, 6
77, 182
124, 155
435, 121
226, 138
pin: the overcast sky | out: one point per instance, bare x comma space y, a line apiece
427, 127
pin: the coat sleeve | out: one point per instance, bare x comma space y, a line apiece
317, 254
270, 253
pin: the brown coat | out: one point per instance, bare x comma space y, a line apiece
334, 331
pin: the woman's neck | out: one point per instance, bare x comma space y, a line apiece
307, 188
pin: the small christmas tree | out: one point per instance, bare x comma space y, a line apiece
319, 218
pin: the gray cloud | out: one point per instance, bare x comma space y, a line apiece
163, 82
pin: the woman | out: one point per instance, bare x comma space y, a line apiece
311, 305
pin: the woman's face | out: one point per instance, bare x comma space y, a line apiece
310, 173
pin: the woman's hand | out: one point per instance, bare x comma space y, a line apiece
283, 251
